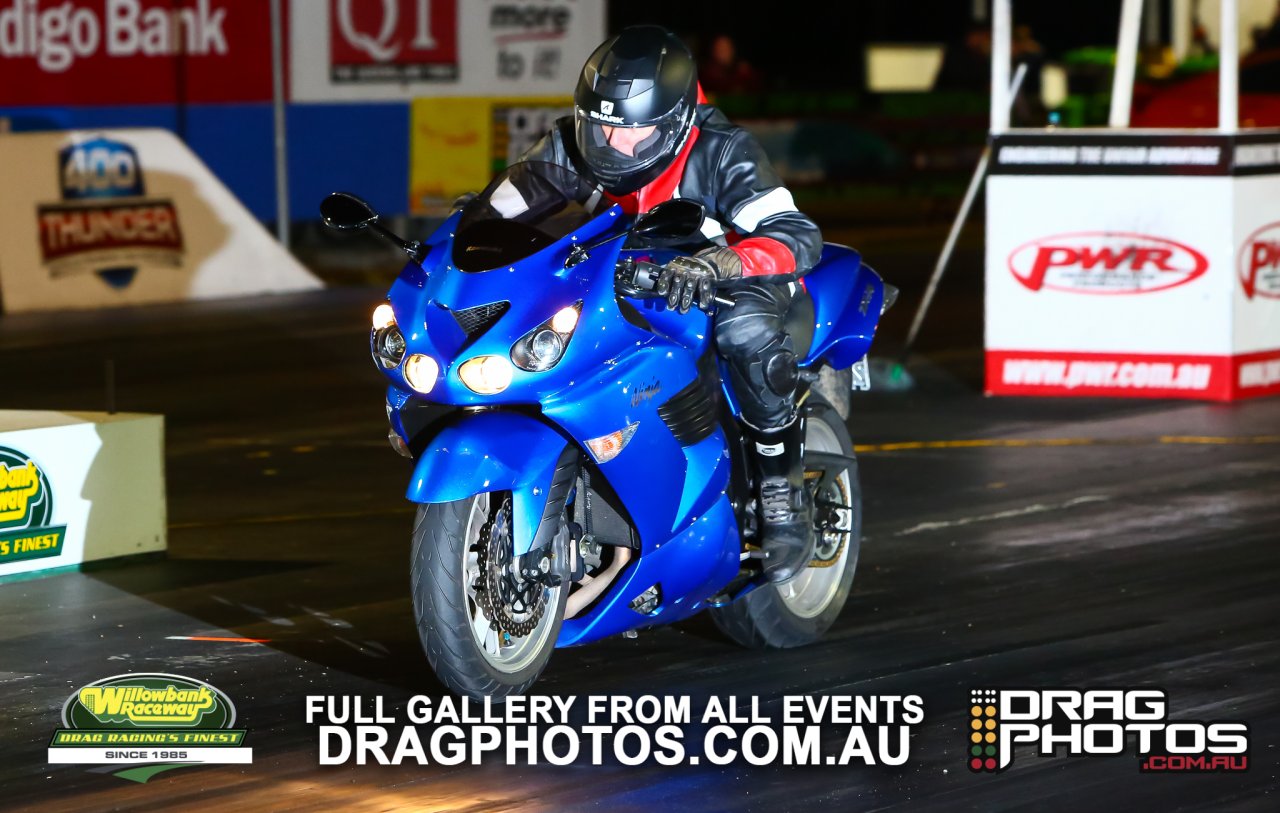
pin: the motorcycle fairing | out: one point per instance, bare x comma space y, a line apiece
689, 568
847, 299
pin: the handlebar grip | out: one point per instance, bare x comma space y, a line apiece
646, 277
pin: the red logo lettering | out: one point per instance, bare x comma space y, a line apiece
1105, 263
1259, 263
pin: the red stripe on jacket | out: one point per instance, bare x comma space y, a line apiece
764, 256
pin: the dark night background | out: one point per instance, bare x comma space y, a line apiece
806, 44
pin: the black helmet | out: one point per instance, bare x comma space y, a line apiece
644, 76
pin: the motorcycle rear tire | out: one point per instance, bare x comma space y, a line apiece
763, 618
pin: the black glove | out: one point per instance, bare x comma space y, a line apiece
685, 280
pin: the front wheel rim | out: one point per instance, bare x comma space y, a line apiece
503, 652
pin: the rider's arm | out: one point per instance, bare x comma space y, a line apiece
750, 199
551, 149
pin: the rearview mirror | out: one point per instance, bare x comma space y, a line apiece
672, 221
342, 210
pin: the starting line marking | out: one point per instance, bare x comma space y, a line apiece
217, 638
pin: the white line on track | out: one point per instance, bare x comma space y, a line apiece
1037, 508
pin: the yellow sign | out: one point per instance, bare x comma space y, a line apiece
458, 144
145, 706
17, 488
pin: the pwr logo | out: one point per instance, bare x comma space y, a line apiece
1259, 263
1099, 722
1105, 263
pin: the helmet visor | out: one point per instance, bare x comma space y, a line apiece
617, 154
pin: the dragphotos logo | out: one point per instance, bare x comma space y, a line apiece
1099, 722
1105, 263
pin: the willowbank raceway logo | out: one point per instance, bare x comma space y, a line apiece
149, 723
26, 510
1099, 722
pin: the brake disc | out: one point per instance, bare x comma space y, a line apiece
826, 516
512, 604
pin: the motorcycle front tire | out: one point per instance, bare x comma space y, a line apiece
445, 613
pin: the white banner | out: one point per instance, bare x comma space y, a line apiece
1109, 264
1257, 263
362, 50
1131, 263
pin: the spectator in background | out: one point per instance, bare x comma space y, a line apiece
1028, 110
1266, 39
724, 71
966, 65
1026, 51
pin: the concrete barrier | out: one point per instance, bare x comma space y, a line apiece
126, 217
79, 487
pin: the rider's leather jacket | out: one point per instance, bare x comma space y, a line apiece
724, 168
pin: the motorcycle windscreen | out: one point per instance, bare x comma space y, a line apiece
526, 208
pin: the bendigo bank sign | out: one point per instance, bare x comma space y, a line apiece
134, 51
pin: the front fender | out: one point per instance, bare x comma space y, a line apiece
496, 451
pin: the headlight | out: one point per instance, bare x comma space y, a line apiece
383, 316
541, 348
566, 319
387, 344
486, 375
421, 372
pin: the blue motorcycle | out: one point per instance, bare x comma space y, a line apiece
578, 462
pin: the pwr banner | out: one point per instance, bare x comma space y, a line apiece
1133, 265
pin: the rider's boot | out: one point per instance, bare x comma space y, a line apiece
786, 508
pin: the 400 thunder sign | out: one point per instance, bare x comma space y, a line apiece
26, 510
105, 223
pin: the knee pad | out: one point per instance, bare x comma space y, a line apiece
765, 382
781, 372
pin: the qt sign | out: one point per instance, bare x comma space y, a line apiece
393, 40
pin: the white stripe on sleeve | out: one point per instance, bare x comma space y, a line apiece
507, 200
711, 228
775, 201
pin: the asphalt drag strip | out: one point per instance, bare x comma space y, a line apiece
1008, 543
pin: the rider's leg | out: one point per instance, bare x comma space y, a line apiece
752, 337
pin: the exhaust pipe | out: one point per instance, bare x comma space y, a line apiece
593, 586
